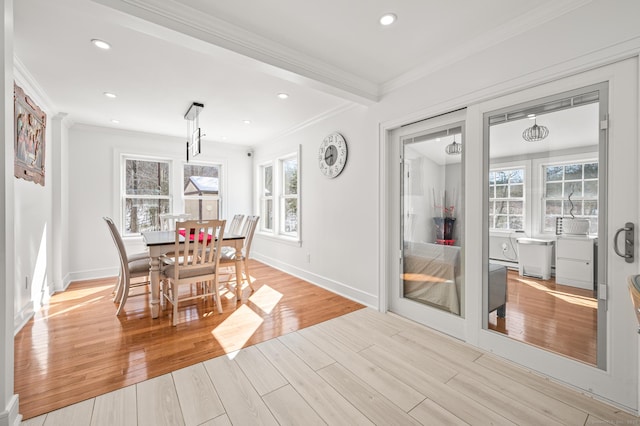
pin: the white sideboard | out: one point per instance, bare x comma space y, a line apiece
575, 261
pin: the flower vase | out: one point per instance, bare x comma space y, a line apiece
444, 228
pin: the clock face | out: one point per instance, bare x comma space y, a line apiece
332, 155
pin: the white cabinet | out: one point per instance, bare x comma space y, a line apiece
575, 261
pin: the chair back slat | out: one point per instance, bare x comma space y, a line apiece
236, 224
248, 231
197, 244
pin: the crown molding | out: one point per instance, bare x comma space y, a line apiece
196, 24
532, 19
310, 122
24, 77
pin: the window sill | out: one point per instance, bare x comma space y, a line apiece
292, 241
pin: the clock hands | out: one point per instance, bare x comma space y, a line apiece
330, 155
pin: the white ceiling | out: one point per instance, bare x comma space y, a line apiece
235, 57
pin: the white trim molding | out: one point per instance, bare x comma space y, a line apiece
342, 289
10, 415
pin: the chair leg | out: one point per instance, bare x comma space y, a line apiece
117, 291
124, 289
174, 298
163, 293
245, 266
216, 290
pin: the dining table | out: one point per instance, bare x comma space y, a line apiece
160, 243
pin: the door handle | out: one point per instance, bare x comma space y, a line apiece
629, 242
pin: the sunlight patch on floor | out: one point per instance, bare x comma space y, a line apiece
46, 315
234, 332
72, 294
266, 298
567, 297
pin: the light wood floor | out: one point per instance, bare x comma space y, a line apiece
558, 318
361, 368
75, 347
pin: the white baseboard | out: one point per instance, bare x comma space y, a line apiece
92, 274
22, 317
370, 300
10, 415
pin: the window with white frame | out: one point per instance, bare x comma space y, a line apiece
280, 196
289, 199
146, 194
571, 190
266, 197
202, 191
507, 199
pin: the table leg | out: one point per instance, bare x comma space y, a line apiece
154, 274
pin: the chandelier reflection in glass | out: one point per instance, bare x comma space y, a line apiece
453, 148
535, 133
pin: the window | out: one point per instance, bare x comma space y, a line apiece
507, 199
289, 207
146, 194
202, 191
571, 190
279, 196
266, 197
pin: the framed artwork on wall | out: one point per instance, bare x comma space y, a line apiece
29, 137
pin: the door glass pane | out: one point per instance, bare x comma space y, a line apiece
544, 208
432, 219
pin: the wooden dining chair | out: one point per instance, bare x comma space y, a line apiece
197, 256
228, 256
236, 224
131, 266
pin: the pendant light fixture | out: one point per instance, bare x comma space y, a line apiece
453, 148
194, 134
535, 133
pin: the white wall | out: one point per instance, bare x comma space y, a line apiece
94, 179
32, 219
339, 216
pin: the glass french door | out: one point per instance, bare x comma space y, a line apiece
558, 180
547, 210
429, 287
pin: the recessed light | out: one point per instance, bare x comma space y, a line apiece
246, 121
224, 138
101, 44
110, 95
388, 19
114, 121
283, 95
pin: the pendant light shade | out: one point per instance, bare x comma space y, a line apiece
535, 133
453, 148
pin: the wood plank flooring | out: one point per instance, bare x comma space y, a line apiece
76, 348
558, 318
361, 368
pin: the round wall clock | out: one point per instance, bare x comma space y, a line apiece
332, 155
